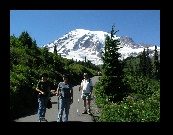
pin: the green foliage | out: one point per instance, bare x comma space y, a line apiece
129, 93
143, 85
111, 82
27, 63
25, 39
99, 90
131, 65
21, 90
143, 65
142, 104
156, 65
131, 111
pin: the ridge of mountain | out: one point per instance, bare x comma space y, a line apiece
80, 43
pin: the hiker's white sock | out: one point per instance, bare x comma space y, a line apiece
84, 108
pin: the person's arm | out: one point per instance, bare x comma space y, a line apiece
71, 95
81, 86
57, 90
37, 88
91, 87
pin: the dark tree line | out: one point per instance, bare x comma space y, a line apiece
144, 64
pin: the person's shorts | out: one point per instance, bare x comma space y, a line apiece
86, 96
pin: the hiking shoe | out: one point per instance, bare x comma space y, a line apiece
43, 119
84, 112
89, 112
39, 120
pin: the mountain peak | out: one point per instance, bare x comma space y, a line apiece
81, 43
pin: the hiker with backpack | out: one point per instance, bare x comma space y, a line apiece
86, 87
65, 94
43, 87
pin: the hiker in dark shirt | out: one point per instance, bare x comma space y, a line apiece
43, 87
65, 94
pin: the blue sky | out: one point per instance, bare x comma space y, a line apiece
45, 26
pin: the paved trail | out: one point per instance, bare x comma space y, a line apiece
74, 116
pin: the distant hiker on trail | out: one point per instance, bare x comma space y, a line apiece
43, 87
65, 93
99, 73
86, 87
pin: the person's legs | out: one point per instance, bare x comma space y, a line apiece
88, 99
61, 108
88, 103
84, 103
67, 108
40, 107
44, 106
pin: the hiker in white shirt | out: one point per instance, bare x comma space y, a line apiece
86, 87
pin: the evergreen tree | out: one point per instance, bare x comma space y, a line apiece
25, 39
156, 69
145, 65
45, 54
85, 62
112, 70
85, 59
55, 50
148, 64
13, 40
142, 64
34, 45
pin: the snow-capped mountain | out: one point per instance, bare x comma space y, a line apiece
80, 43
